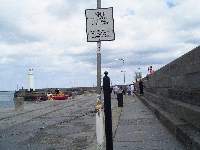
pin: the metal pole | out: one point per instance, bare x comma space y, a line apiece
99, 68
124, 72
99, 145
98, 3
99, 59
124, 78
107, 97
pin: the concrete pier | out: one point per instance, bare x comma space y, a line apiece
70, 125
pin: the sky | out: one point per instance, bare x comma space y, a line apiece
50, 37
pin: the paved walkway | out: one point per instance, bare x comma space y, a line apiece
139, 129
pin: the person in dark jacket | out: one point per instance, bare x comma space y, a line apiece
120, 94
141, 87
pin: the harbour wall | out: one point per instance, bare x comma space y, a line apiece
173, 94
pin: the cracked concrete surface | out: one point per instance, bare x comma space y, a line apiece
70, 125
50, 125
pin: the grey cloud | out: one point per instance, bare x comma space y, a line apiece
141, 57
150, 51
11, 76
144, 61
107, 57
146, 57
60, 11
192, 40
68, 8
187, 24
12, 34
89, 57
138, 57
134, 58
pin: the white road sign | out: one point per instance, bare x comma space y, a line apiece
100, 24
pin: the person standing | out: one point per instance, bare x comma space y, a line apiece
132, 89
129, 89
115, 89
141, 87
120, 97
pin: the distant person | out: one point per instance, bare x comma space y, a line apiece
57, 91
150, 70
129, 89
115, 89
120, 97
141, 87
132, 89
124, 90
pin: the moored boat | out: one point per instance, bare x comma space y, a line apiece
60, 97
57, 96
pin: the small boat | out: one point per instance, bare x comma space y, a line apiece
60, 97
57, 96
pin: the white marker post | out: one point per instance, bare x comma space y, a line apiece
31, 80
99, 27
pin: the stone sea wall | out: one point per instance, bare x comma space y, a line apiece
175, 88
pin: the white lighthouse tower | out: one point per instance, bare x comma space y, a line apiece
31, 80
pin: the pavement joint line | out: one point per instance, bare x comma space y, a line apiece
118, 122
130, 141
119, 117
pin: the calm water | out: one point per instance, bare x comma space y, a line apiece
6, 99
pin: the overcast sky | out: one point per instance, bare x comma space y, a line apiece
50, 37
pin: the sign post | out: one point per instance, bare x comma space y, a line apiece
100, 24
99, 27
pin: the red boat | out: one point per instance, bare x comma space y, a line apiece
59, 97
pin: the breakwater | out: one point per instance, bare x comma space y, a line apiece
41, 94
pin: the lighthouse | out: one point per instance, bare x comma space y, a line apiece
31, 80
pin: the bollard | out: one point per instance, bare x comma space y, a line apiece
73, 95
107, 111
100, 130
19, 103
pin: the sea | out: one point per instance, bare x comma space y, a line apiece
6, 99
